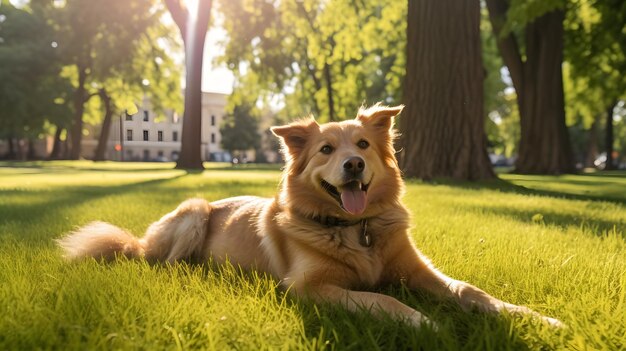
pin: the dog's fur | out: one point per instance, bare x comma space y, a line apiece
292, 236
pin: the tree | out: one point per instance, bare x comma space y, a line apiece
95, 38
193, 25
150, 72
30, 86
320, 57
537, 77
596, 51
240, 129
443, 123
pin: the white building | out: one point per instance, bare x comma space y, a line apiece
147, 136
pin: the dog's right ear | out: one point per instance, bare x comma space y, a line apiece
295, 135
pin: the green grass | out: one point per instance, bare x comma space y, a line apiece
555, 244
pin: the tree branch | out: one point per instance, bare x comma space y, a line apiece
509, 49
179, 15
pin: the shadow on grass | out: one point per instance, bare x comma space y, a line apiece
66, 198
331, 326
507, 186
48, 167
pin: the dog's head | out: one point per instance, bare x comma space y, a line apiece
345, 169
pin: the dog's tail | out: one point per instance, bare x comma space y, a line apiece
180, 234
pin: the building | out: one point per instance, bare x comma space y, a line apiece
147, 136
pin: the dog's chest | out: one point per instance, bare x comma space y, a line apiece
349, 247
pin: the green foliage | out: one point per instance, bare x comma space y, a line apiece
30, 89
240, 129
299, 49
570, 265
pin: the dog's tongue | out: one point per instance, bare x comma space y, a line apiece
353, 198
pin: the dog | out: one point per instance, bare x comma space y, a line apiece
336, 229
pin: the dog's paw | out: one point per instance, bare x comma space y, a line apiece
420, 321
553, 322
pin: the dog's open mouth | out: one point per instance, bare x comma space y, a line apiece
352, 196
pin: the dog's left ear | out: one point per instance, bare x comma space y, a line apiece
294, 136
379, 117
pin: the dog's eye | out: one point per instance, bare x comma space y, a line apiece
363, 144
326, 149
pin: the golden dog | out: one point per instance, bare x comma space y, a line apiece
337, 225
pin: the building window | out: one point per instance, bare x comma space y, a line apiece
128, 117
145, 135
146, 155
174, 155
212, 138
160, 153
160, 135
212, 120
129, 134
174, 136
146, 117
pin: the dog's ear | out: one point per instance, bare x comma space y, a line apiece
379, 117
295, 135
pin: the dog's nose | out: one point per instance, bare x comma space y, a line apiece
354, 165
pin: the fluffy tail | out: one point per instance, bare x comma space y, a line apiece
100, 240
180, 234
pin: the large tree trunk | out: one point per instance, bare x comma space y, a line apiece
443, 123
106, 126
544, 147
608, 139
80, 96
193, 29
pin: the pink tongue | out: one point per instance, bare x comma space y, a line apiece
353, 200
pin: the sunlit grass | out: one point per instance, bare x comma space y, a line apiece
555, 244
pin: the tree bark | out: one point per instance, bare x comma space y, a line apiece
592, 144
55, 154
545, 146
443, 123
11, 153
80, 96
609, 138
329, 93
193, 29
30, 154
106, 126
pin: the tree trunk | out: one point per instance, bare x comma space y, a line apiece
329, 92
11, 153
55, 154
193, 28
30, 154
592, 144
544, 147
80, 96
443, 123
106, 126
608, 139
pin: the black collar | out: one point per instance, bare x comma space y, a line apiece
330, 221
365, 239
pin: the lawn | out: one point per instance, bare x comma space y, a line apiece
555, 244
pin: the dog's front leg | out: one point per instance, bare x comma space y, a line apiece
378, 304
418, 273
